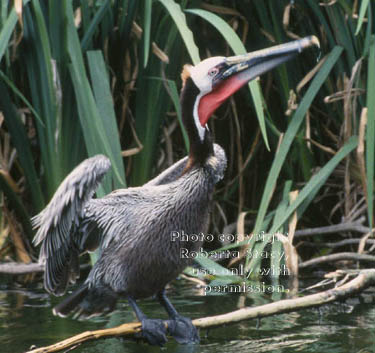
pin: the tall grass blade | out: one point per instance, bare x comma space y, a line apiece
179, 19
316, 181
22, 145
92, 125
104, 102
215, 268
21, 96
173, 93
149, 116
6, 31
16, 203
99, 15
152, 100
280, 210
291, 132
311, 188
42, 81
277, 246
370, 133
361, 17
146, 31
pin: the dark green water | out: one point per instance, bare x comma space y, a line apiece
26, 319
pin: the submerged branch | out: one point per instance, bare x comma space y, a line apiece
364, 279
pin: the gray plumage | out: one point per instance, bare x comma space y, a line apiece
59, 222
132, 227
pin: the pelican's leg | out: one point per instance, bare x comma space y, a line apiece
180, 327
153, 330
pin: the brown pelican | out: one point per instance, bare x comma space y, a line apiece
132, 227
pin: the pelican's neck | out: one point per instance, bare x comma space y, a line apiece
201, 145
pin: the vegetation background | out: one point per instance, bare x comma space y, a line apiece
79, 78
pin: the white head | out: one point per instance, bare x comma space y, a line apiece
203, 73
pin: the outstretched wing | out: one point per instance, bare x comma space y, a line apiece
59, 221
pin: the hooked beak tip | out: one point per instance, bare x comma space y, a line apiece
309, 42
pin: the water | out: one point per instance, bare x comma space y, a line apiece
26, 320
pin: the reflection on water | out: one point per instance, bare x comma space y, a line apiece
26, 319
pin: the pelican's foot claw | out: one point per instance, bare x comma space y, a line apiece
183, 330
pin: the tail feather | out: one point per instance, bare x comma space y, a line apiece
69, 304
87, 302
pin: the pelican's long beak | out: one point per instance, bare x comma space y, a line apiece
236, 71
250, 65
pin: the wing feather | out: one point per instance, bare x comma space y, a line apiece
170, 174
58, 223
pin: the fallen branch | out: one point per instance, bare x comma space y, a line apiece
125, 330
336, 228
359, 283
338, 244
356, 226
17, 268
364, 279
337, 257
25, 293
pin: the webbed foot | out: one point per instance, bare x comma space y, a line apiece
183, 330
154, 331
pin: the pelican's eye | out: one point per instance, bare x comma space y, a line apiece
213, 72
